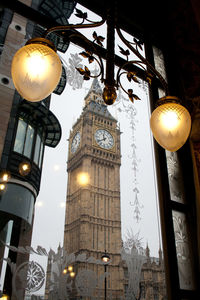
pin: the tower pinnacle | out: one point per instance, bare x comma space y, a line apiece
95, 93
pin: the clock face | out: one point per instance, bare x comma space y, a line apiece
104, 139
75, 142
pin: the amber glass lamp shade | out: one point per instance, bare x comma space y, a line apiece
36, 69
170, 123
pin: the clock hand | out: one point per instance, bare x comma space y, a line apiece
101, 140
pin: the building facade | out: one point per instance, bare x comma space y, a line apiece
25, 130
144, 276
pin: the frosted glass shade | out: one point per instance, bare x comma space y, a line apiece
36, 71
170, 124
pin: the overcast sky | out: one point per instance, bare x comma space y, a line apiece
48, 226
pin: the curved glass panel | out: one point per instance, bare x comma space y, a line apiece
18, 201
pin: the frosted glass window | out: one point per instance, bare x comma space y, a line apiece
20, 136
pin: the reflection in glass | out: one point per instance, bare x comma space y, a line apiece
29, 141
37, 149
20, 136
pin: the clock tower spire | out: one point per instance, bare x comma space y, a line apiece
93, 215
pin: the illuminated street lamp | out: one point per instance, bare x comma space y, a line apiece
69, 270
105, 259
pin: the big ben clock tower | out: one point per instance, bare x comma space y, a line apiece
93, 215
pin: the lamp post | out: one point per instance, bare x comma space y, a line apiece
105, 259
69, 270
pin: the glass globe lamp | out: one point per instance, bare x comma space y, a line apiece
36, 69
170, 123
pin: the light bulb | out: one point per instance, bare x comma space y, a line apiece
5, 176
24, 168
170, 123
72, 274
70, 268
2, 187
105, 259
36, 70
170, 119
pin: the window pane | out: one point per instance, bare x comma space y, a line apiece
20, 136
176, 185
41, 154
37, 149
18, 201
29, 141
183, 251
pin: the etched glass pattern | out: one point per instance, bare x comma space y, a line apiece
175, 178
183, 251
160, 67
159, 62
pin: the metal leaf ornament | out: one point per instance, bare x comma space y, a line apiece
138, 43
124, 52
80, 14
132, 96
131, 76
85, 73
98, 39
149, 77
88, 54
